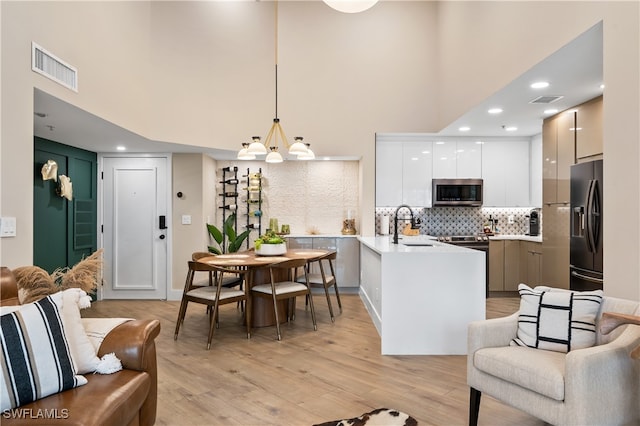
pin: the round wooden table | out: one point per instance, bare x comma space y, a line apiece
262, 314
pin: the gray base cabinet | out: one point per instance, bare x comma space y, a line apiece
347, 262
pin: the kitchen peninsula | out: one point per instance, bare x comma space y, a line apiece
421, 294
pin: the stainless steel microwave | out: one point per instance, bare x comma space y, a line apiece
457, 192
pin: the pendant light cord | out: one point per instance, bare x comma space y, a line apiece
276, 54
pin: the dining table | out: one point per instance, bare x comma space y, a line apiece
257, 267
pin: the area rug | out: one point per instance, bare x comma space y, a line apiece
378, 417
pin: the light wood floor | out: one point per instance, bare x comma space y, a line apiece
308, 377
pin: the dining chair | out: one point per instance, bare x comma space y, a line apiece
229, 280
213, 296
324, 279
285, 289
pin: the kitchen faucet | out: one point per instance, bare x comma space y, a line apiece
395, 222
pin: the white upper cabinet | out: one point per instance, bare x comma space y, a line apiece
407, 163
417, 160
457, 159
444, 159
388, 173
469, 159
505, 172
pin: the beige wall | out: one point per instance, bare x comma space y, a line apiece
201, 73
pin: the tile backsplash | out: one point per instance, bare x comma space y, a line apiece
461, 220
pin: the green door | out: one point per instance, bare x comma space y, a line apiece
64, 231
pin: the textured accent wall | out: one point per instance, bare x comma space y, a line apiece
461, 220
307, 195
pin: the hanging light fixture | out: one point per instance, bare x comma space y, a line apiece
276, 134
308, 155
351, 6
244, 153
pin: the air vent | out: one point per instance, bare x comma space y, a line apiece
545, 99
50, 66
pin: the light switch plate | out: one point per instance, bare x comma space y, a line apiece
186, 219
7, 227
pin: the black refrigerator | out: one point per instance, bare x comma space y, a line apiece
586, 272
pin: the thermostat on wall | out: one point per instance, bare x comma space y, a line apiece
7, 226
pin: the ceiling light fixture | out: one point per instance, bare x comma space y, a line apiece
540, 85
308, 154
350, 6
244, 153
464, 128
121, 148
511, 128
276, 134
495, 111
550, 111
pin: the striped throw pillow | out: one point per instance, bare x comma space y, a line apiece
557, 320
35, 358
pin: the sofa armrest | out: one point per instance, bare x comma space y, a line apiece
491, 333
609, 369
133, 342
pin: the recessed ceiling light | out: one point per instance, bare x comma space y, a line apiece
495, 111
550, 111
414, 158
464, 128
479, 142
540, 85
511, 128
426, 152
121, 148
602, 86
439, 143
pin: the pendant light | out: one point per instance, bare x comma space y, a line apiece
244, 153
350, 6
276, 134
308, 154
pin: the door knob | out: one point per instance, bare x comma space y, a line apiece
162, 237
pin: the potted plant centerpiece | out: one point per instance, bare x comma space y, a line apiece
270, 244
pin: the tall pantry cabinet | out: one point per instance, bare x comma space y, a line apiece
567, 138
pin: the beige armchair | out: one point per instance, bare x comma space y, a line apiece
599, 385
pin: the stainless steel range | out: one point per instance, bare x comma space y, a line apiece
472, 241
476, 242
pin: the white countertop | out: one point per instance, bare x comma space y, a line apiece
384, 244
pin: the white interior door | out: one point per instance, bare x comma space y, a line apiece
135, 245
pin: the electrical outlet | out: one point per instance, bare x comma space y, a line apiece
510, 219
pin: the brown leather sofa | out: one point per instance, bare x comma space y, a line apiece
128, 397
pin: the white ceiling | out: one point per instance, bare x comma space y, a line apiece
574, 72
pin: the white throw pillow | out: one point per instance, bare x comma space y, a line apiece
557, 320
83, 351
35, 355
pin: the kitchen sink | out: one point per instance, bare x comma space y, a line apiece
416, 244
